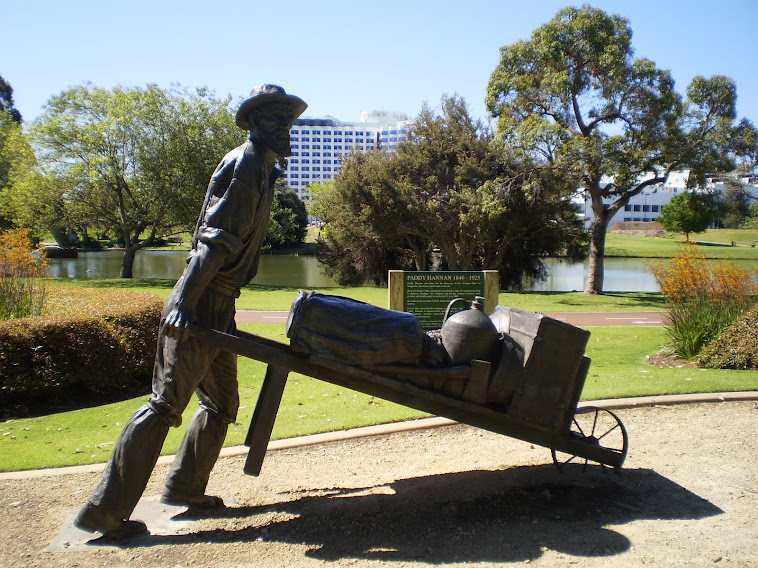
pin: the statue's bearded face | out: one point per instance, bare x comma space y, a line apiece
272, 123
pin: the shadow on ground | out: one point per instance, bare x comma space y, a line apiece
474, 516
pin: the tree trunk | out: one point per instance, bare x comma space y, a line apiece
127, 263
596, 270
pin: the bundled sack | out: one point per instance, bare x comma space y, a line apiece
354, 332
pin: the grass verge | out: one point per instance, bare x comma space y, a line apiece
619, 368
278, 298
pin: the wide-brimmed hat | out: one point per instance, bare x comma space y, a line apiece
267, 94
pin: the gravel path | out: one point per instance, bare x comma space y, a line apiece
453, 496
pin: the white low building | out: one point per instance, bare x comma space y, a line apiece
319, 145
647, 206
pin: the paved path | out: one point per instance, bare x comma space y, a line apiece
580, 319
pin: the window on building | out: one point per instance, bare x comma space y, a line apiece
646, 208
637, 209
656, 208
327, 147
627, 207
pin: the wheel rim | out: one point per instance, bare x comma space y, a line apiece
598, 427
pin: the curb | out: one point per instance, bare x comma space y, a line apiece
395, 427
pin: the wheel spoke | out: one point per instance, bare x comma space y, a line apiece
586, 424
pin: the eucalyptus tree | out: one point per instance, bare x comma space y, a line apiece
575, 98
135, 161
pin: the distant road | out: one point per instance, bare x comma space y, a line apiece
579, 319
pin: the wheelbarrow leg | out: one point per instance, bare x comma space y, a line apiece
264, 416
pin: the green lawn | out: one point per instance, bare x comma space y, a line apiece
619, 368
275, 298
651, 247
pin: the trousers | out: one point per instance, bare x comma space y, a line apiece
182, 366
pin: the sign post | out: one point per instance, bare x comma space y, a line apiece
427, 294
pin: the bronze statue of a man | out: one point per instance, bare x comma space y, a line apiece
225, 252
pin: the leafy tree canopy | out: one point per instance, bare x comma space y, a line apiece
447, 189
288, 224
131, 161
687, 213
6, 100
16, 157
575, 98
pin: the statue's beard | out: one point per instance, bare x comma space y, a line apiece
281, 147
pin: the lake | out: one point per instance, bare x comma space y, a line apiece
621, 274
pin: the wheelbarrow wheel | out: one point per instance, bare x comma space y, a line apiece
599, 427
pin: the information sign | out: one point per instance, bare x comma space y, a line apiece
427, 294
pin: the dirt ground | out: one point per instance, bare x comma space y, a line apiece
453, 496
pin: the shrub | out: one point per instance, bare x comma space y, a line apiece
736, 347
22, 286
87, 342
704, 298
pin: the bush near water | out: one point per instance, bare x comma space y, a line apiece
87, 342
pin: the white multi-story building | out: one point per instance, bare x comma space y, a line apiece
319, 145
647, 206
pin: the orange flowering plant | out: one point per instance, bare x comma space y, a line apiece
22, 286
704, 297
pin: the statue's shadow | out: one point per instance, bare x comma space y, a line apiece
473, 516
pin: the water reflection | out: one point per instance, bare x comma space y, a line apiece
274, 270
621, 274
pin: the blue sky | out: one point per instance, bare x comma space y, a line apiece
342, 56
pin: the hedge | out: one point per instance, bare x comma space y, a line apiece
736, 347
88, 341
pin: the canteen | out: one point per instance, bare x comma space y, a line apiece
469, 333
